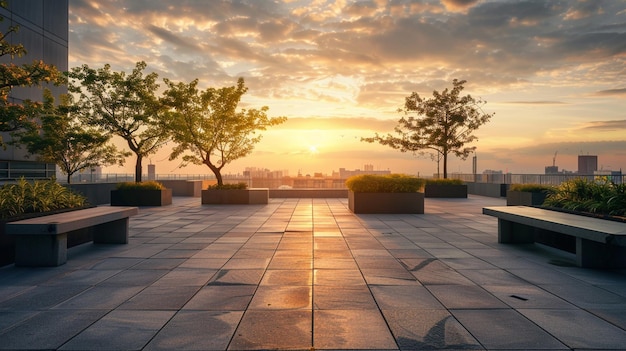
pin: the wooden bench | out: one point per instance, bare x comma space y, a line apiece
599, 243
42, 241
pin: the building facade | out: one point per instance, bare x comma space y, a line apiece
43, 31
587, 164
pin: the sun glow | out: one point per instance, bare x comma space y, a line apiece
313, 150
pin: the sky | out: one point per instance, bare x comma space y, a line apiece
553, 72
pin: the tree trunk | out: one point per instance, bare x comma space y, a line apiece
69, 178
445, 165
138, 169
216, 171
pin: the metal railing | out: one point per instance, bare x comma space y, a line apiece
545, 179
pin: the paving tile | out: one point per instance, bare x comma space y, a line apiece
338, 277
287, 277
465, 296
271, 297
429, 330
274, 330
47, 329
159, 263
433, 272
222, 298
389, 277
100, 298
527, 296
587, 296
237, 277
404, 297
196, 330
11, 318
247, 263
290, 263
42, 297
491, 277
187, 277
334, 263
343, 298
134, 277
210, 263
578, 329
159, 297
351, 329
120, 330
505, 329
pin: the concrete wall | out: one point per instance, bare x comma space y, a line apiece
186, 187
96, 193
309, 193
487, 189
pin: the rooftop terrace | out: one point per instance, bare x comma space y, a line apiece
308, 274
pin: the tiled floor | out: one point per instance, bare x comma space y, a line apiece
303, 274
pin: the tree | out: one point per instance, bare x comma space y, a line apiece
208, 125
444, 124
123, 105
63, 140
16, 116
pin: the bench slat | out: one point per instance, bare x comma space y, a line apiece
69, 221
589, 228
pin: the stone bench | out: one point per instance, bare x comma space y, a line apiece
42, 241
599, 243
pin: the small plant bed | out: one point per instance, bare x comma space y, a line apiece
394, 193
149, 193
445, 188
598, 198
234, 194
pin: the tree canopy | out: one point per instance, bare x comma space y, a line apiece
121, 104
207, 127
18, 115
63, 140
443, 124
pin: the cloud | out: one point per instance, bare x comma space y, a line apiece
174, 39
611, 92
538, 102
338, 123
605, 125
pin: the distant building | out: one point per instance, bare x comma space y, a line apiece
552, 169
43, 30
368, 169
587, 164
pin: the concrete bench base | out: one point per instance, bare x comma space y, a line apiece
599, 243
42, 241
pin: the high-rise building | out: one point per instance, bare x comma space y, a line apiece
587, 164
43, 31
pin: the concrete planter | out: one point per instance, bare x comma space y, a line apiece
141, 197
524, 198
401, 203
445, 190
257, 196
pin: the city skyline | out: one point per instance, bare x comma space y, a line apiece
553, 72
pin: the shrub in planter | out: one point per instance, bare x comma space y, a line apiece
395, 193
599, 196
448, 188
234, 194
24, 199
149, 193
527, 194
